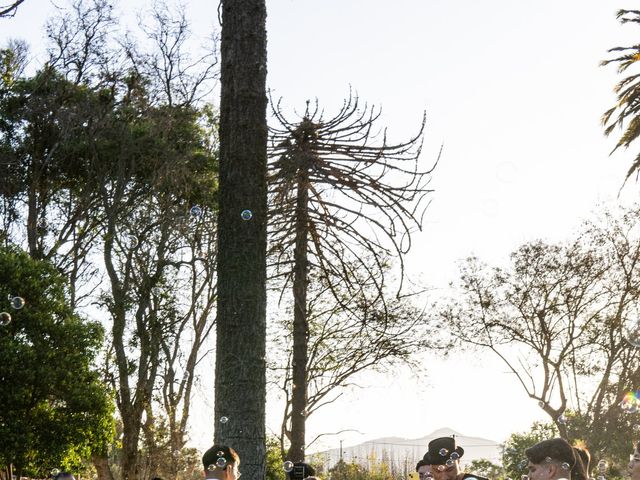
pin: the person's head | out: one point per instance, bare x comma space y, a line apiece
443, 457
423, 469
301, 471
552, 459
64, 476
221, 462
580, 470
634, 463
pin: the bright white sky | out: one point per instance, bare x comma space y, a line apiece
514, 91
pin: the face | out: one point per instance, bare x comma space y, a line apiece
444, 472
424, 472
540, 471
634, 466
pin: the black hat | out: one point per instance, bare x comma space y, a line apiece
442, 449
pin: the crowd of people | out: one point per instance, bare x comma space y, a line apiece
553, 459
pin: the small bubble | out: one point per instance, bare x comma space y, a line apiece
455, 456
17, 303
211, 467
443, 452
636, 428
541, 405
221, 462
224, 419
133, 241
524, 477
449, 462
548, 459
288, 466
246, 214
196, 211
220, 453
562, 420
5, 319
565, 466
54, 472
602, 466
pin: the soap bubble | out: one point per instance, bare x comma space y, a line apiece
602, 466
443, 452
221, 462
211, 467
54, 472
133, 241
630, 402
636, 428
5, 319
541, 404
224, 419
455, 456
449, 462
565, 466
220, 453
562, 420
288, 466
246, 214
17, 303
196, 211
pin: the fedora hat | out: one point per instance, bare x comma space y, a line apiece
441, 450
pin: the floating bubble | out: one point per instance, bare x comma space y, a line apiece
562, 420
636, 428
522, 465
220, 453
541, 404
133, 241
600, 477
455, 456
17, 303
443, 452
565, 466
449, 462
221, 462
5, 319
287, 466
440, 468
524, 477
54, 472
602, 466
548, 459
196, 211
211, 467
224, 419
246, 214
630, 402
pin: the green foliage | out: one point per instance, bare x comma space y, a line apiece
485, 468
514, 460
274, 460
53, 408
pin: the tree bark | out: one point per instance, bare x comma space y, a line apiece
240, 379
300, 322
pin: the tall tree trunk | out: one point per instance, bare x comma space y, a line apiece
300, 324
101, 464
240, 381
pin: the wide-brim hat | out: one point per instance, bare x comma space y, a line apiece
442, 449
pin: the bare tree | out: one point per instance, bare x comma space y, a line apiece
342, 202
10, 9
555, 318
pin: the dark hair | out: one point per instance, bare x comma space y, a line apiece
64, 476
580, 471
558, 450
301, 470
421, 463
212, 456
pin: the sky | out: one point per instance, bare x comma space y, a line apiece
513, 93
